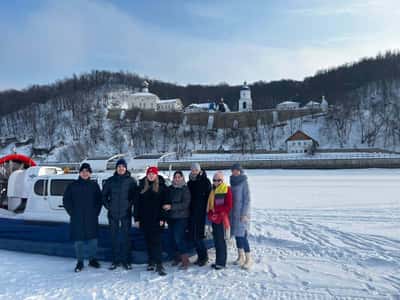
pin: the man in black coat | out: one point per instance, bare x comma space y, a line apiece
200, 187
82, 201
119, 194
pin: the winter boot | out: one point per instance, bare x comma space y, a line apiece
94, 263
249, 261
202, 261
127, 266
79, 266
217, 267
160, 270
177, 260
241, 258
113, 266
151, 267
185, 261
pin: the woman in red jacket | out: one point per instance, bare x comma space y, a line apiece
219, 207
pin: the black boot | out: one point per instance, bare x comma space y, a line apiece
127, 266
151, 267
79, 266
160, 270
202, 261
113, 266
217, 267
94, 263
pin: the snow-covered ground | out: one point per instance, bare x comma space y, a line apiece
314, 235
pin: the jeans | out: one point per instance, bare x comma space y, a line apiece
220, 244
91, 248
177, 229
243, 243
121, 240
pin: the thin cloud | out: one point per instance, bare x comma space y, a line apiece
354, 7
62, 38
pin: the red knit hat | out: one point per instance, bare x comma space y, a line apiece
153, 170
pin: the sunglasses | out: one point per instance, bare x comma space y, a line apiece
217, 180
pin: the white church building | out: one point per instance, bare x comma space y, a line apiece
245, 101
146, 100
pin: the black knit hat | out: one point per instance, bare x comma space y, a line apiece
237, 166
85, 166
121, 161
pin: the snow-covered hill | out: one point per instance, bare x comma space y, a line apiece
71, 128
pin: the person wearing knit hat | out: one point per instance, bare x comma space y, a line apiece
237, 166
122, 162
120, 192
199, 186
195, 166
82, 201
85, 166
150, 214
153, 170
240, 215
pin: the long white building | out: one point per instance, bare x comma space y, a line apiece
144, 100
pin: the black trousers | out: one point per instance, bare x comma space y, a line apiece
220, 244
121, 239
152, 237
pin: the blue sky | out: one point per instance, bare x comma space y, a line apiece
190, 41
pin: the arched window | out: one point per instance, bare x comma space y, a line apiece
244, 105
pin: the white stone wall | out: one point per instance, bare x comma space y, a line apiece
288, 106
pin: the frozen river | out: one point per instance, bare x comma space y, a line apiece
314, 235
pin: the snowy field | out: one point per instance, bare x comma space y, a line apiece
315, 235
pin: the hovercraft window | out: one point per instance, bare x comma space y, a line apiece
40, 187
58, 186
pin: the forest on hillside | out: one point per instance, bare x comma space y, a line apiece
334, 83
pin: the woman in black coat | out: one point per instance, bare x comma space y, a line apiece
82, 201
150, 215
200, 187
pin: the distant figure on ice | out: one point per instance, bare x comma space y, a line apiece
240, 215
200, 187
120, 192
82, 201
150, 214
218, 208
179, 195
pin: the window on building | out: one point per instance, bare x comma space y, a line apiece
244, 105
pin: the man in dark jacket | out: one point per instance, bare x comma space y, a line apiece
200, 187
82, 201
119, 193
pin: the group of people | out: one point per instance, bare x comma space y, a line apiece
183, 206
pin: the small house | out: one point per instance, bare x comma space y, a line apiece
300, 142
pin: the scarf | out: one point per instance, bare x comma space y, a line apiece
219, 192
195, 177
236, 180
179, 186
